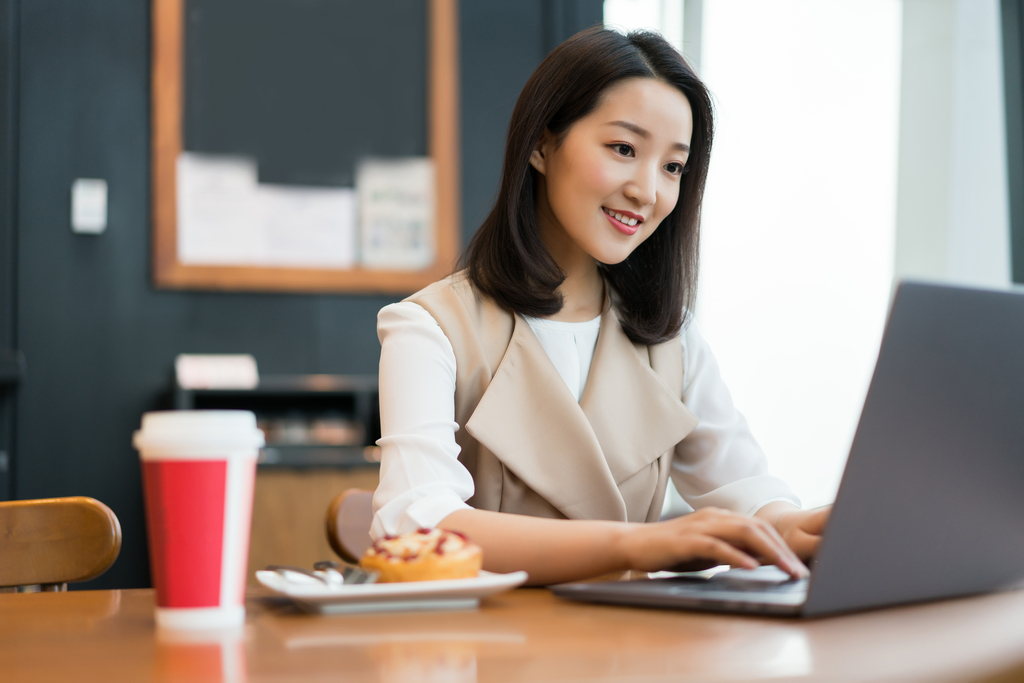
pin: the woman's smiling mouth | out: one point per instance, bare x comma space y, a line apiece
625, 222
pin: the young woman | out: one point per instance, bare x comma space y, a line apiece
539, 400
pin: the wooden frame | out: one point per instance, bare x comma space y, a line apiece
443, 146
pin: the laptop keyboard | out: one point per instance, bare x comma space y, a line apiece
761, 580
765, 590
701, 585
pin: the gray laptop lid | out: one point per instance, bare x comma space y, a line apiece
931, 503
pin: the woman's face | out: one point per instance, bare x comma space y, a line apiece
616, 174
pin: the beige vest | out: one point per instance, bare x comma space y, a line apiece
531, 448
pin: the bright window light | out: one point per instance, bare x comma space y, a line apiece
799, 218
663, 16
800, 213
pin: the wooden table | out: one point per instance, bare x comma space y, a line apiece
526, 635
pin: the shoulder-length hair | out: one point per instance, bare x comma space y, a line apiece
655, 287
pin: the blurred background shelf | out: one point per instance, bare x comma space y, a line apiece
309, 420
321, 432
315, 455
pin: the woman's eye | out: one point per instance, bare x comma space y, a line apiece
623, 149
675, 168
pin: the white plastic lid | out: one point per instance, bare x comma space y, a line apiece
198, 430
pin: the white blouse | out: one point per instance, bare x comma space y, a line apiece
422, 480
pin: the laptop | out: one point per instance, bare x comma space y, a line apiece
931, 503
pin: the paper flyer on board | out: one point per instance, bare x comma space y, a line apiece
226, 217
396, 213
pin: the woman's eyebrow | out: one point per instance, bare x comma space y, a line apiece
630, 126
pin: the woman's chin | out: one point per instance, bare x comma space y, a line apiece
612, 257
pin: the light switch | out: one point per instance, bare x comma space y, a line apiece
88, 206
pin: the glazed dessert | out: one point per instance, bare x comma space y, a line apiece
424, 555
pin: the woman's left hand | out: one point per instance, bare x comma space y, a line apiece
801, 529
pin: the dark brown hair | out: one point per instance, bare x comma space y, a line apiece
655, 287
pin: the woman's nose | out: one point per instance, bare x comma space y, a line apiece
643, 188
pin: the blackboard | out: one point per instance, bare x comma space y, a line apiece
307, 88
303, 87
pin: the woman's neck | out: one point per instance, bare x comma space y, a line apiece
582, 295
583, 288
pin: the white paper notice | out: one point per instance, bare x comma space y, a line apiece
308, 226
225, 217
396, 213
217, 219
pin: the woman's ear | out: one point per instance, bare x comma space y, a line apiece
539, 156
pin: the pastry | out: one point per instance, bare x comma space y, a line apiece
424, 555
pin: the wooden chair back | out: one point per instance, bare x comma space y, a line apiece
54, 541
348, 524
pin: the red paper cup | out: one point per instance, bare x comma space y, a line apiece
198, 475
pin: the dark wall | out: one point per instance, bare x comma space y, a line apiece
98, 339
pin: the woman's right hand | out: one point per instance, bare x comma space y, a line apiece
708, 534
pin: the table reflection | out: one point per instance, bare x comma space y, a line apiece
200, 656
526, 635
498, 643
426, 661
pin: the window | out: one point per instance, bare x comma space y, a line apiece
799, 216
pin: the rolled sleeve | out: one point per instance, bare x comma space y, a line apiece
421, 478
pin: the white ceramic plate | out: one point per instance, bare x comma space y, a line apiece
392, 597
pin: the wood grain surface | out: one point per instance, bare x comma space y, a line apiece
348, 523
288, 514
525, 635
56, 540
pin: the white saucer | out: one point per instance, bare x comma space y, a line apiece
392, 597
